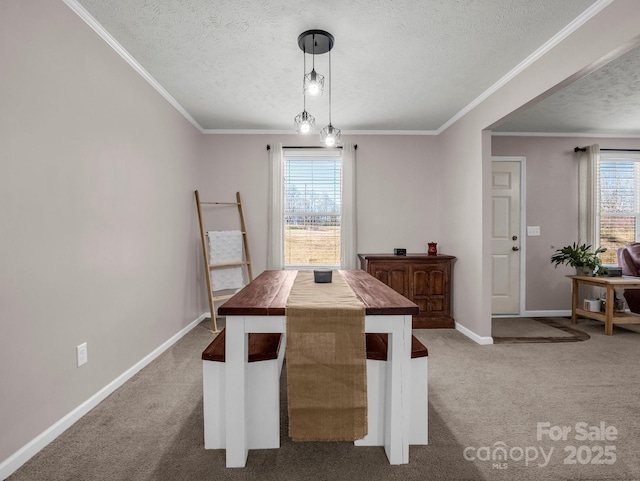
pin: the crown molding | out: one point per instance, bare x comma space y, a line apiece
565, 134
389, 132
247, 132
518, 69
292, 132
114, 44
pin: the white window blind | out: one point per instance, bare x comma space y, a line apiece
618, 184
312, 208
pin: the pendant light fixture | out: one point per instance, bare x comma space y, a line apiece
330, 136
317, 42
313, 81
304, 121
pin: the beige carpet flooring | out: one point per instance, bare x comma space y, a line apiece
481, 399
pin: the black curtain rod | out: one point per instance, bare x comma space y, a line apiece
312, 147
584, 149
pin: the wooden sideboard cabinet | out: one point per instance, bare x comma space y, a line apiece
424, 279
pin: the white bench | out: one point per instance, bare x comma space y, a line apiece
376, 392
266, 355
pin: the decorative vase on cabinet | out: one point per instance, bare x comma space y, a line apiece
422, 278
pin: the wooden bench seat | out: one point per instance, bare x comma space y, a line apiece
265, 359
262, 347
377, 347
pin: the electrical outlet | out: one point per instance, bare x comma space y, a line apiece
81, 354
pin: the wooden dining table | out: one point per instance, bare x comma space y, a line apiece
261, 307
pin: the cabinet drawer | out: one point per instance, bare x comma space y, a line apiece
393, 275
428, 280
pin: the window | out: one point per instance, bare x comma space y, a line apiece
618, 202
312, 201
312, 194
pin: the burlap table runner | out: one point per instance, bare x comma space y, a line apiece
326, 361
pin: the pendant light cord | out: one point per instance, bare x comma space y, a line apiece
304, 74
313, 50
330, 82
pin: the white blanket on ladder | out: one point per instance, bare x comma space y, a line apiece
224, 247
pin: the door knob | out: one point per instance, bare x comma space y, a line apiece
515, 248
515, 237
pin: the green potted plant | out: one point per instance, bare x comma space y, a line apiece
586, 262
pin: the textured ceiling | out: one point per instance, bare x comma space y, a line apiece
397, 65
605, 102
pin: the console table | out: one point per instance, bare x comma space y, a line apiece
610, 317
422, 278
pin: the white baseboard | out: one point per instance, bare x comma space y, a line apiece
473, 336
564, 313
17, 459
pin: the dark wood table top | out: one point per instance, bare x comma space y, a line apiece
267, 295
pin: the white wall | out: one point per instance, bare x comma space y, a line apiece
462, 224
398, 205
98, 240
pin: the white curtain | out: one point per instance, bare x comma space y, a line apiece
587, 195
348, 254
275, 254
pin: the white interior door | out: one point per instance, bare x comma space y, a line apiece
505, 259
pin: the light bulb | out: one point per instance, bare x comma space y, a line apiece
330, 136
330, 140
304, 122
313, 88
314, 83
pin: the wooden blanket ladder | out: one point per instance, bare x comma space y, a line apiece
208, 266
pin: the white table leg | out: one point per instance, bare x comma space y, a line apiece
397, 396
236, 358
397, 403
